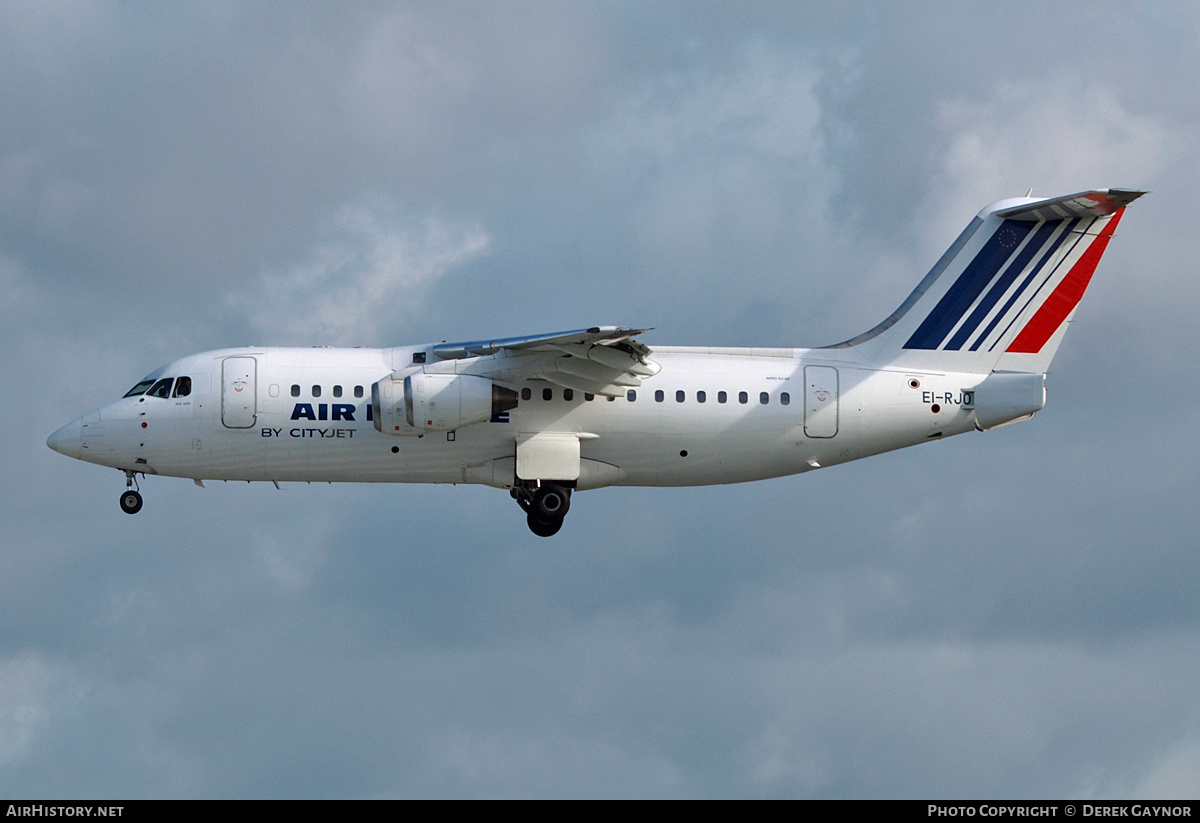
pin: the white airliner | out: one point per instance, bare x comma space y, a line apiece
549, 414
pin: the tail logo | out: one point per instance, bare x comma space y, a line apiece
1008, 238
1020, 286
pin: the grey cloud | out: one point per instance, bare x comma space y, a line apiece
1001, 615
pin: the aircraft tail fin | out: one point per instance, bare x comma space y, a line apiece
1002, 295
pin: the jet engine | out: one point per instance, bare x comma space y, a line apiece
416, 403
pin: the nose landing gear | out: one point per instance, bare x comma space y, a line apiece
545, 506
131, 498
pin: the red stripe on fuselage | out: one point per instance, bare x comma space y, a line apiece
1063, 300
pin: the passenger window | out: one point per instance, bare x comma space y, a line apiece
785, 398
743, 397
526, 393
679, 395
316, 391
588, 396
547, 394
295, 390
764, 398
358, 391
337, 391
568, 395
140, 388
658, 396
183, 387
701, 397
722, 397
162, 388
631, 395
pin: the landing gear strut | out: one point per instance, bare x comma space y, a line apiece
131, 498
545, 506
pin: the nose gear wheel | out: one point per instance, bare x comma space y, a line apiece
131, 498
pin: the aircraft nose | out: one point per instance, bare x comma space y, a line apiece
67, 440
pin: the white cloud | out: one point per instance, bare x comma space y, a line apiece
716, 148
1054, 137
1174, 775
376, 271
730, 191
292, 561
32, 691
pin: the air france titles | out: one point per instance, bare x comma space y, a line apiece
324, 411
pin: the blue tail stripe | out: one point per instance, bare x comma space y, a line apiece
970, 284
1075, 233
1016, 295
1002, 283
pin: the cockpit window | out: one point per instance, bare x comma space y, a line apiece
140, 388
162, 388
183, 387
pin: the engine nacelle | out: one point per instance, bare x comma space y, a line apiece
416, 403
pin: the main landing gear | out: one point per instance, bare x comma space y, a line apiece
131, 498
545, 505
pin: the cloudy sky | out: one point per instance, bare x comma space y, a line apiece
1011, 614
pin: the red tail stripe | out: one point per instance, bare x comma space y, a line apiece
1063, 300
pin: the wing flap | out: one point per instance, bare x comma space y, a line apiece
537, 342
603, 360
620, 357
570, 381
597, 372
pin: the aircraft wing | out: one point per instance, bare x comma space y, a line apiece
604, 360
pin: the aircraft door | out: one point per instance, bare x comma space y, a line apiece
238, 393
820, 401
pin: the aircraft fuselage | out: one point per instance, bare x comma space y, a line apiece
709, 416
